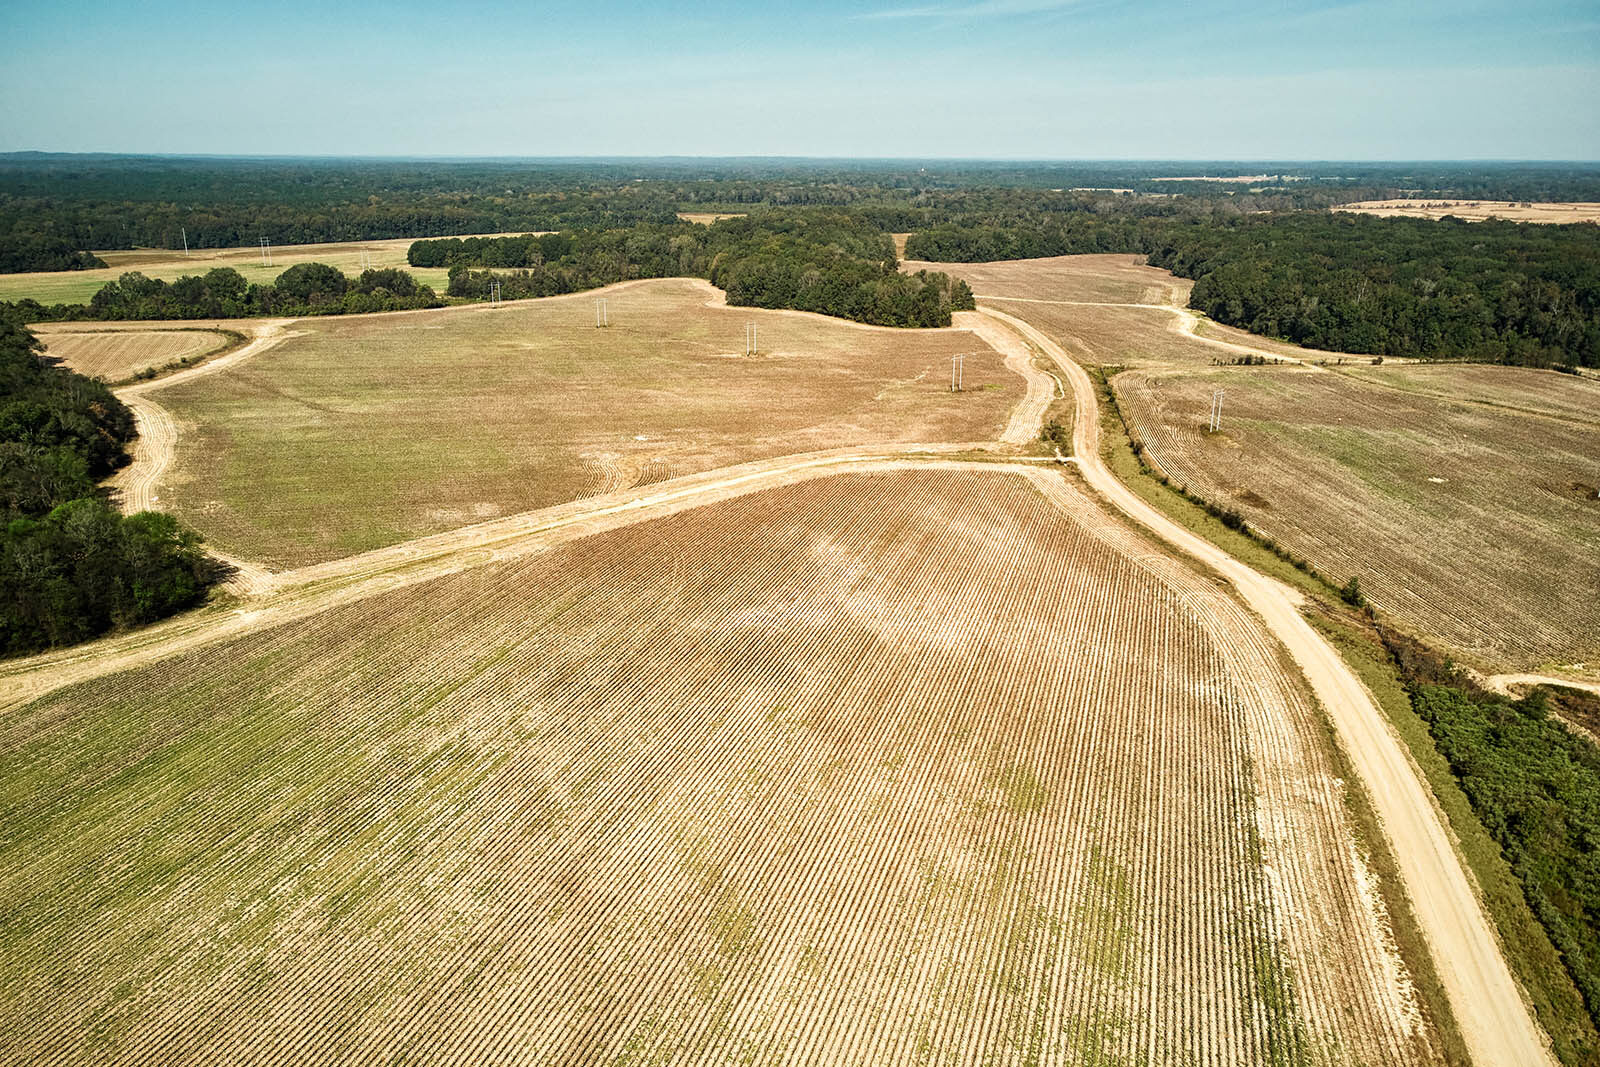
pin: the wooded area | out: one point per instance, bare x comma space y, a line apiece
1491, 291
1535, 784
71, 565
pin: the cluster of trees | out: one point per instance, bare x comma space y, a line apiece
303, 289
1535, 784
71, 565
129, 202
1490, 291
39, 251
828, 262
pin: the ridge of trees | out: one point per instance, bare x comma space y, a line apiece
1490, 291
828, 262
71, 565
303, 289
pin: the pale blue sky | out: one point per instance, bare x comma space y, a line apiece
1033, 79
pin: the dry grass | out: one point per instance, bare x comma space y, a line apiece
376, 429
1473, 523
1119, 279
116, 355
77, 286
1478, 210
875, 769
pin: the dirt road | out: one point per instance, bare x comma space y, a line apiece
154, 448
1186, 324
1484, 996
1505, 683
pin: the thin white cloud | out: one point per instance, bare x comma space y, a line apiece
982, 9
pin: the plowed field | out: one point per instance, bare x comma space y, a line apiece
117, 355
370, 430
911, 767
1462, 497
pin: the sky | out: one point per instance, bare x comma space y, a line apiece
981, 79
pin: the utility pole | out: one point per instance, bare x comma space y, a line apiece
601, 317
750, 339
957, 373
266, 252
185, 231
1216, 410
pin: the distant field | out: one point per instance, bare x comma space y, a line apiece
1478, 210
77, 286
1120, 279
706, 218
911, 767
375, 429
118, 354
1474, 523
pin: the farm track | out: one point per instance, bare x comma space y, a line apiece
1486, 1000
154, 448
1187, 324
1506, 683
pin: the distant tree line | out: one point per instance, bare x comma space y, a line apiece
35, 252
71, 565
1489, 291
829, 262
303, 289
1535, 785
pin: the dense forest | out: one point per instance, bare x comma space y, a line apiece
1489, 291
1264, 254
1535, 784
818, 260
81, 202
303, 289
71, 565
34, 252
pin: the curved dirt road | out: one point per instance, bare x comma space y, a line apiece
1186, 325
153, 449
1505, 683
1485, 998
1027, 418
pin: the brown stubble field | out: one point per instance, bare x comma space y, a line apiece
116, 352
1478, 210
368, 431
1472, 523
926, 766
1120, 279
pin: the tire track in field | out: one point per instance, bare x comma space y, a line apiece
1484, 996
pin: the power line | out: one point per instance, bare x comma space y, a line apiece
1216, 410
957, 372
750, 339
601, 316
